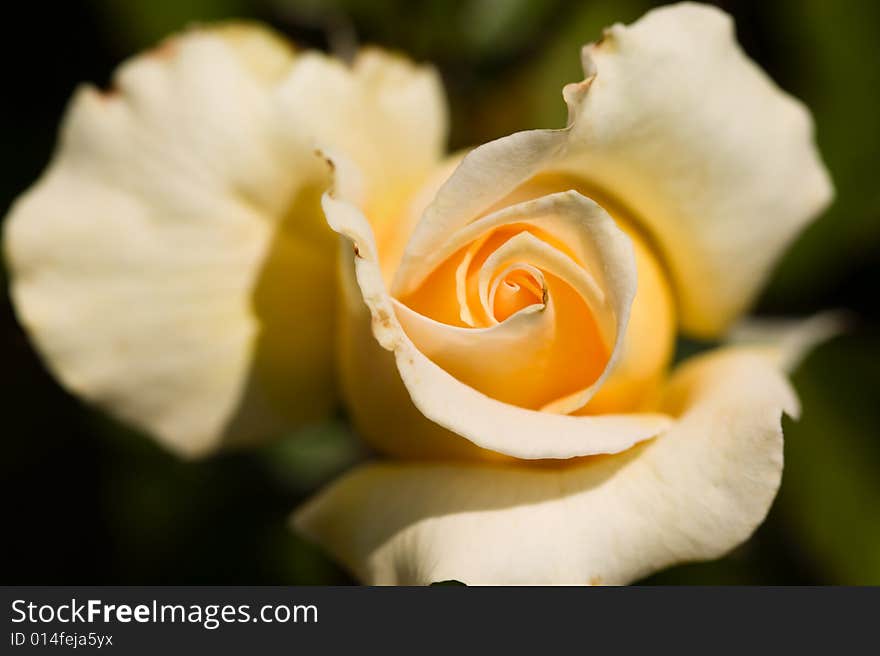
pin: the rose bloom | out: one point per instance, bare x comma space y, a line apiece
506, 319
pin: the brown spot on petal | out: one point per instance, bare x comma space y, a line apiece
596, 580
327, 160
607, 38
165, 50
382, 318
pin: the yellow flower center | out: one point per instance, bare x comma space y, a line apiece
553, 364
513, 291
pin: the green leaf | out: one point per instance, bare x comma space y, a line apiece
828, 59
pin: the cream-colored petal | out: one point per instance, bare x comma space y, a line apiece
649, 342
595, 241
786, 342
394, 239
675, 129
385, 114
507, 356
173, 264
693, 493
441, 398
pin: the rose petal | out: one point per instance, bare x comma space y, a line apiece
441, 398
504, 359
693, 493
649, 343
677, 130
173, 264
387, 115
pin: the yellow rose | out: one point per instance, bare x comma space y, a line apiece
173, 264
506, 338
506, 322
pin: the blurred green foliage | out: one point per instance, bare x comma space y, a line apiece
829, 57
93, 502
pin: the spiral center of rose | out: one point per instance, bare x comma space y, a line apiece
515, 289
517, 304
495, 316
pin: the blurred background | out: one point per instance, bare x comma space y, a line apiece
87, 501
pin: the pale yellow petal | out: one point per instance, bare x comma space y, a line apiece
387, 115
675, 130
693, 493
507, 359
173, 264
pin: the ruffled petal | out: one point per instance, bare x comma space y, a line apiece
676, 131
693, 493
385, 113
173, 264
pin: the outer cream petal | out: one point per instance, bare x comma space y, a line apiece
387, 115
693, 493
677, 130
442, 399
173, 265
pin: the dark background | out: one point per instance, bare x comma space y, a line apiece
86, 500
